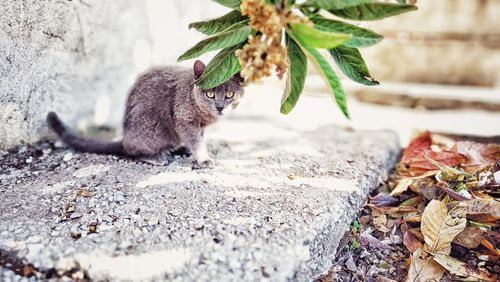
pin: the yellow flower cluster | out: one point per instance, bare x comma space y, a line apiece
264, 52
259, 56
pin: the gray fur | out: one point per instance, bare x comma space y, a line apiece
166, 112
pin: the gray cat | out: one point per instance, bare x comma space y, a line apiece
165, 112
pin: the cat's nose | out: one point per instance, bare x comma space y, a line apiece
219, 109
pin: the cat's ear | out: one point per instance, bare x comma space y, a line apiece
198, 68
238, 78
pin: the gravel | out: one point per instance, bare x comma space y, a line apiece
266, 210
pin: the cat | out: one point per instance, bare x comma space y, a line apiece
165, 112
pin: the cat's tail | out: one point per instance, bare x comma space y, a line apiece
82, 144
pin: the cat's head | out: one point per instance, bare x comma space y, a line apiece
220, 100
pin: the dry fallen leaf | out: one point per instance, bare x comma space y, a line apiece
482, 210
417, 233
457, 267
392, 210
421, 164
470, 237
440, 226
478, 154
379, 221
402, 186
423, 268
419, 144
488, 245
411, 242
382, 200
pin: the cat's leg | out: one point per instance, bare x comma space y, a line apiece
201, 155
193, 137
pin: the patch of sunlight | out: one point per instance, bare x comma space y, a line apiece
136, 267
245, 194
218, 180
169, 177
57, 187
90, 170
255, 181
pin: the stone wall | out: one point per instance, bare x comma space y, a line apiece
65, 56
443, 42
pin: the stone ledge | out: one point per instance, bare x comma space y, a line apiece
275, 208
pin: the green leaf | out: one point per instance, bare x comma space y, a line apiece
219, 24
296, 76
351, 63
360, 37
326, 71
229, 37
374, 11
220, 69
334, 4
233, 4
317, 38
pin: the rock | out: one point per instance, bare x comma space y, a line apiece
350, 264
119, 197
67, 157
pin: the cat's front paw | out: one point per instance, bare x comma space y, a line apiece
205, 163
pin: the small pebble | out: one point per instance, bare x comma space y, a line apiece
67, 157
350, 264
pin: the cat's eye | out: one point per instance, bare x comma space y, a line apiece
210, 95
229, 94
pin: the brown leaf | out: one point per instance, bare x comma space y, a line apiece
478, 207
440, 226
402, 186
470, 237
421, 164
482, 195
478, 154
417, 232
455, 195
423, 268
412, 202
382, 200
457, 267
488, 245
391, 210
419, 144
379, 221
411, 242
412, 217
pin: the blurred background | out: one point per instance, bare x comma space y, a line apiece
438, 67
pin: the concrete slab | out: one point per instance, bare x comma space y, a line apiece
274, 207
